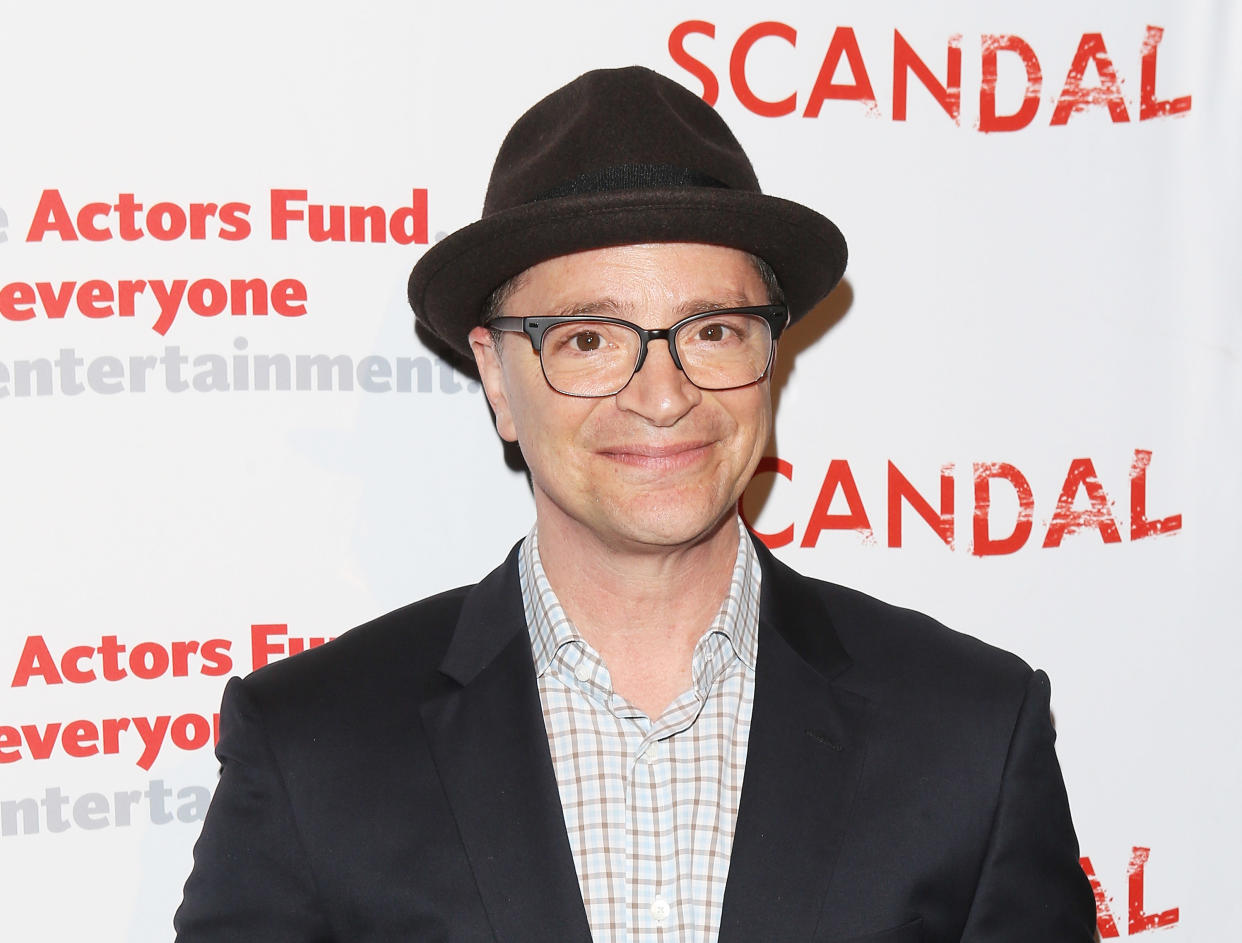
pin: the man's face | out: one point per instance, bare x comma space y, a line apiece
662, 463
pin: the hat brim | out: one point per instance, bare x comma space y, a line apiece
451, 282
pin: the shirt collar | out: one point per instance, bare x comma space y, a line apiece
549, 627
737, 622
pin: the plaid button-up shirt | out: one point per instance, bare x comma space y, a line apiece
650, 804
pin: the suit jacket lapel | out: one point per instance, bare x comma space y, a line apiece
490, 747
803, 761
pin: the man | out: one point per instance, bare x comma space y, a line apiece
641, 726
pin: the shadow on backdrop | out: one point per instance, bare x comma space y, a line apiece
806, 333
512, 454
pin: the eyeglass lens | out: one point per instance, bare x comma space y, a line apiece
718, 351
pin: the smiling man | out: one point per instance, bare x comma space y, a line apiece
641, 726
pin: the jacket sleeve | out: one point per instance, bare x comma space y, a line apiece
1031, 887
251, 880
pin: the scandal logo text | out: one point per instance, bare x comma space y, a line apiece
1082, 504
1011, 80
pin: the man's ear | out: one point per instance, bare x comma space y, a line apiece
491, 372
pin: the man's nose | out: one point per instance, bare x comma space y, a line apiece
659, 391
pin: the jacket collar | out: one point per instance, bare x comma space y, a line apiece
490, 617
792, 607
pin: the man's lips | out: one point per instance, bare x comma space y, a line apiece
666, 456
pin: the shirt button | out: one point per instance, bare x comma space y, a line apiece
582, 671
660, 910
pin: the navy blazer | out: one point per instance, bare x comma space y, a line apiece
901, 786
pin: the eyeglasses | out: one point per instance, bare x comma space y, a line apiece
716, 350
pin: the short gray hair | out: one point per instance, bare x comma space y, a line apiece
494, 306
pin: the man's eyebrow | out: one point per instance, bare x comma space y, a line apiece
609, 307
605, 307
719, 303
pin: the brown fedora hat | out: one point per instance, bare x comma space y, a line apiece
617, 157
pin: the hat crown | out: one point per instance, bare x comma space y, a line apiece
618, 157
614, 129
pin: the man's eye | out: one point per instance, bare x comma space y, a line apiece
581, 338
586, 341
715, 332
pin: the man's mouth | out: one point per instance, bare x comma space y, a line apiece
668, 456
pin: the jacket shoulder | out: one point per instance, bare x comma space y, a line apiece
846, 626
401, 648
897, 656
874, 631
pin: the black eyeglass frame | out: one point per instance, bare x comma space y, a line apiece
776, 317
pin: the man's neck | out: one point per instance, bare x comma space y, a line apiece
642, 608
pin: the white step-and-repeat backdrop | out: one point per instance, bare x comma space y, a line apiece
221, 441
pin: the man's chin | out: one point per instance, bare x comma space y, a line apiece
662, 529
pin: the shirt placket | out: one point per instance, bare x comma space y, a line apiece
653, 900
599, 851
633, 790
